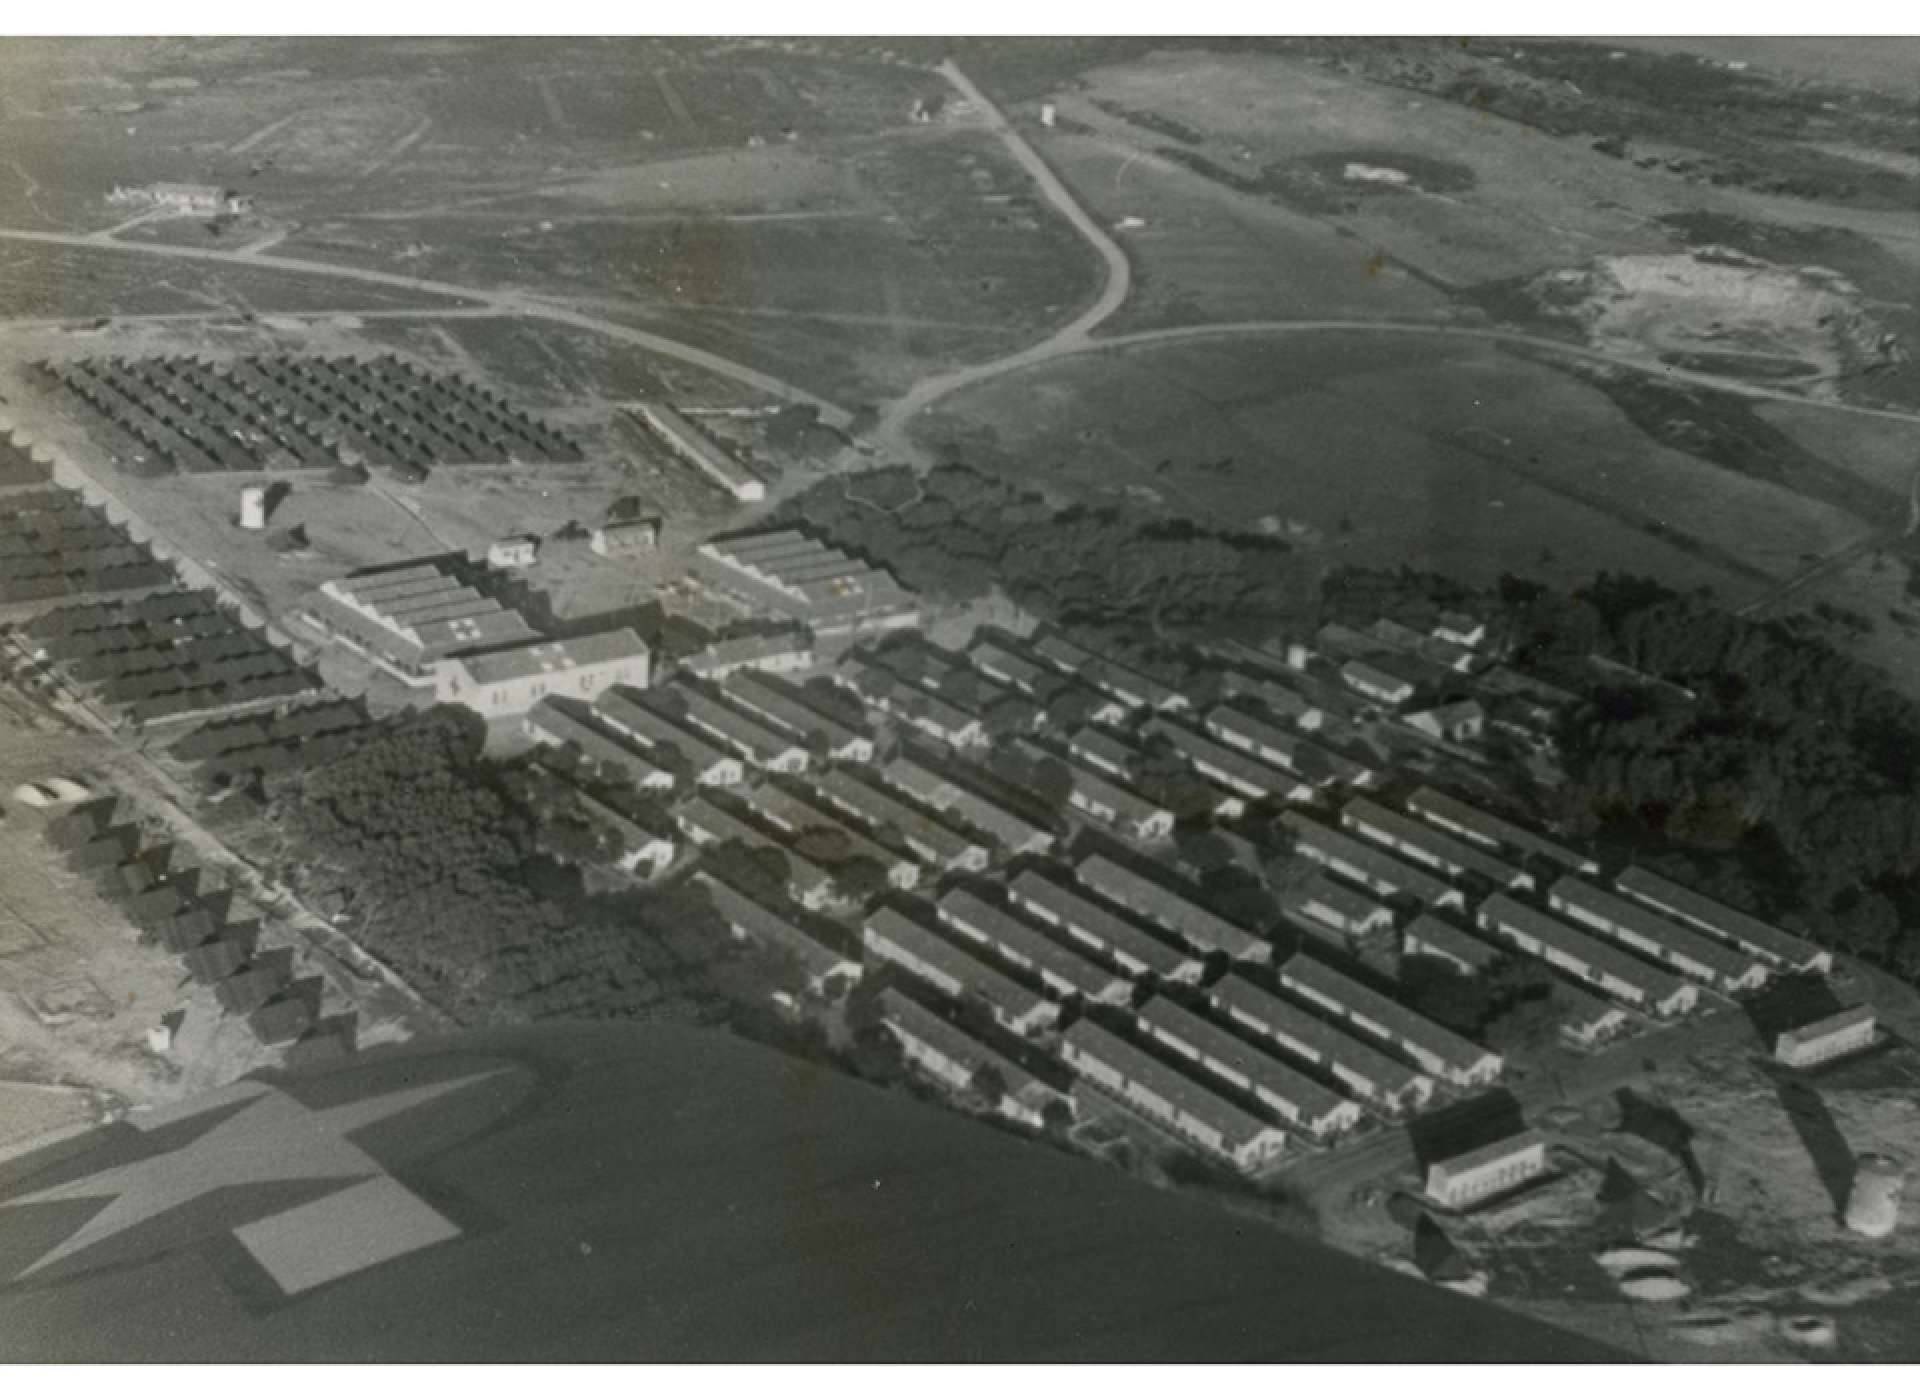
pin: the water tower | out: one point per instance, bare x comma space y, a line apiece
1873, 1205
253, 508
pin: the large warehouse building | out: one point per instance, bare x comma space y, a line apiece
792, 575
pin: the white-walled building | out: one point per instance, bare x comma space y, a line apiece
950, 1055
1295, 1099
1058, 967
513, 680
1842, 1033
1687, 952
923, 951
1752, 936
1375, 1077
1113, 937
1487, 1171
1437, 1050
1170, 1098
1193, 924
1367, 864
1588, 959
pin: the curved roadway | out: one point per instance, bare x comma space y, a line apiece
891, 431
505, 303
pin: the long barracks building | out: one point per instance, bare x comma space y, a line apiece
1434, 1048
1752, 936
1169, 1097
1588, 959
1687, 952
1373, 1075
1297, 1100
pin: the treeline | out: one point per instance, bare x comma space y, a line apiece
1770, 770
954, 534
429, 855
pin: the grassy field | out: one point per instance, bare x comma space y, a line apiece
1448, 455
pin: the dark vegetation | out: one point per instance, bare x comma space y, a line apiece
430, 854
1789, 785
955, 533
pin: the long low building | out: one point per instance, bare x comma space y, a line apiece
511, 680
1170, 1098
751, 920
706, 824
700, 451
794, 816
1058, 967
1125, 942
1373, 1075
1487, 1171
757, 743
1428, 937
892, 936
934, 842
1594, 961
628, 715
1689, 953
790, 575
1828, 1038
785, 708
1195, 925
1433, 1047
1753, 936
893, 695
1429, 846
1297, 1100
1314, 763
949, 1054
1283, 700
1115, 805
553, 722
1103, 749
1496, 833
1322, 901
1233, 769
1367, 864
1015, 833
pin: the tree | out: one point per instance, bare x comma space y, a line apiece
988, 1085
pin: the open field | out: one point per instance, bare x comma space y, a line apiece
1445, 455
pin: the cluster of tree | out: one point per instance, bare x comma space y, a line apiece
955, 534
1509, 1006
431, 855
1756, 762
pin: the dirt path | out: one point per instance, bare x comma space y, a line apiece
499, 302
891, 432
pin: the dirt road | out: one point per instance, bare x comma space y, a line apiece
500, 302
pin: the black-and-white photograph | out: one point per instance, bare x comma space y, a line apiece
959, 700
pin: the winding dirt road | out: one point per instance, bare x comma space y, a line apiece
502, 302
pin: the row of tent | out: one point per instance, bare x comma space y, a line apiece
175, 909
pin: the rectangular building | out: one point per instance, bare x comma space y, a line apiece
1367, 865
1328, 902
553, 722
1689, 953
1194, 924
892, 936
1116, 806
1313, 763
786, 708
627, 716
947, 1053
1168, 1097
1103, 750
1599, 964
1487, 1171
753, 741
1015, 833
939, 845
789, 575
1059, 968
1377, 684
1373, 1075
892, 695
1295, 1099
706, 824
1842, 1033
1009, 667
699, 451
1428, 937
1125, 942
751, 920
1429, 846
1496, 833
1286, 702
772, 652
511, 681
1233, 769
1433, 1047
789, 813
1752, 936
